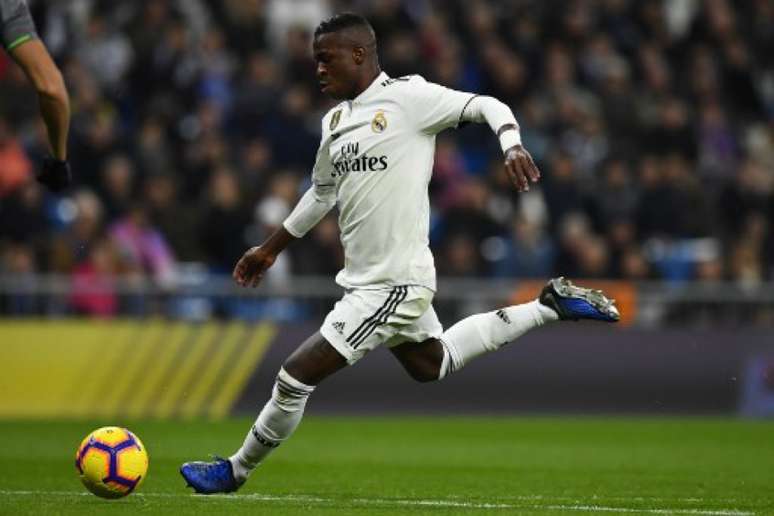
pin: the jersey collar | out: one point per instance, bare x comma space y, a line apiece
372, 89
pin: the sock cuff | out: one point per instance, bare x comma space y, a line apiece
285, 380
543, 313
451, 360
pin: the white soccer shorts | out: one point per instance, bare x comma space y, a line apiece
365, 319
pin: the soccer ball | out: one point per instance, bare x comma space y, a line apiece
111, 462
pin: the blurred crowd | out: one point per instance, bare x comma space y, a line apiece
195, 125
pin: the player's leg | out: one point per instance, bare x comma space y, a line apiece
314, 360
311, 363
435, 358
352, 329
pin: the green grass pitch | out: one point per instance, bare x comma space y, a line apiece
391, 465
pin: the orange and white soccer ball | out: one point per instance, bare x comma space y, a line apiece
112, 462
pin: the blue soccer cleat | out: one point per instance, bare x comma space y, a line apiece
573, 303
210, 477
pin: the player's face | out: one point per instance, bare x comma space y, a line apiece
337, 66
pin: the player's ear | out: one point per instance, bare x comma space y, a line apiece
358, 55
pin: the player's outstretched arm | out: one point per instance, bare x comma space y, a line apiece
519, 164
37, 64
436, 108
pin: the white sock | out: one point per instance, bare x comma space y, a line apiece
483, 333
276, 422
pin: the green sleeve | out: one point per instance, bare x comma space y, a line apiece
16, 25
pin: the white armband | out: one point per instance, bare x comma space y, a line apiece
310, 210
509, 138
490, 110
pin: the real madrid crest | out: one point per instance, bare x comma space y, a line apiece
379, 123
335, 120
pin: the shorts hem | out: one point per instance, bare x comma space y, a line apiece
342, 349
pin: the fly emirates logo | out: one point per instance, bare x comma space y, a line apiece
349, 161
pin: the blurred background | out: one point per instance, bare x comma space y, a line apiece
194, 129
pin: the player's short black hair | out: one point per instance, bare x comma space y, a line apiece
343, 21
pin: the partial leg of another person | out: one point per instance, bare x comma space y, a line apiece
476, 335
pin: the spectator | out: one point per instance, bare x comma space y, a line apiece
176, 220
244, 23
718, 148
15, 167
153, 149
117, 186
563, 190
529, 253
672, 133
257, 90
106, 53
142, 246
615, 198
471, 220
86, 225
23, 217
651, 121
93, 289
18, 265
224, 221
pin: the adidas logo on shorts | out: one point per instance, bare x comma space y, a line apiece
502, 315
339, 327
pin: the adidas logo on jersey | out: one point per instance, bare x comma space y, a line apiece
502, 315
339, 327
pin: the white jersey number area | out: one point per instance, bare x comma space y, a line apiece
378, 150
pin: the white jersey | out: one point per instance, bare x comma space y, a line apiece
376, 156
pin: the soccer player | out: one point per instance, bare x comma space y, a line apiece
374, 162
20, 40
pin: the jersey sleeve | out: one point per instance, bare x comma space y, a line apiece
434, 107
16, 25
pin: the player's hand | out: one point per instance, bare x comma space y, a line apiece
55, 174
521, 168
252, 266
